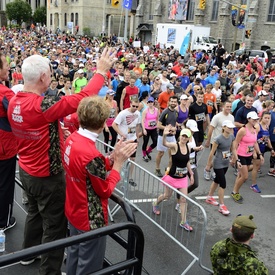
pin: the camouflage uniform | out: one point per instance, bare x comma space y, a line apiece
229, 257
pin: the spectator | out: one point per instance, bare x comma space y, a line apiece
90, 181
234, 255
41, 144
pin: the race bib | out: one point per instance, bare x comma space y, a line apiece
200, 117
152, 123
181, 172
226, 154
250, 149
131, 130
192, 161
210, 103
133, 97
112, 113
218, 100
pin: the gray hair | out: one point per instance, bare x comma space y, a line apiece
33, 67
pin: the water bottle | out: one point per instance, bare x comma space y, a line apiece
2, 241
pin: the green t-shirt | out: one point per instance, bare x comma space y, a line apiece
79, 84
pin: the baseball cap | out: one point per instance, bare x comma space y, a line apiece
185, 132
81, 65
80, 71
262, 92
173, 75
245, 222
150, 99
170, 86
228, 123
183, 97
191, 68
192, 125
252, 115
110, 92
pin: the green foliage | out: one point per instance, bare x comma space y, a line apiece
19, 10
86, 31
40, 15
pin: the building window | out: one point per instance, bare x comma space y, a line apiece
271, 11
215, 10
72, 17
51, 19
244, 2
109, 2
76, 19
191, 10
65, 19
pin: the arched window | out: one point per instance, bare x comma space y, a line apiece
215, 10
51, 19
65, 19
72, 17
76, 19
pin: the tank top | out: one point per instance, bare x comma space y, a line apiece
262, 138
143, 108
131, 93
246, 145
112, 114
179, 164
182, 116
150, 120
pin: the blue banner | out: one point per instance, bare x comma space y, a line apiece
127, 4
185, 44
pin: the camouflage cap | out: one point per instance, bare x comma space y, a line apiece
245, 222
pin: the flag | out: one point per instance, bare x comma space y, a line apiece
127, 4
185, 44
234, 14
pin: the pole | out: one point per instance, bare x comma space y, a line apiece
103, 17
126, 24
245, 19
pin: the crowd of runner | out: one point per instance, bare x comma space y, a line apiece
168, 102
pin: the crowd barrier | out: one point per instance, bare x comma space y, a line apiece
148, 188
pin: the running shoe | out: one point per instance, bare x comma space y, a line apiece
177, 208
11, 224
186, 226
223, 209
260, 171
237, 197
155, 208
212, 201
255, 188
131, 182
148, 155
207, 174
158, 173
205, 136
271, 173
29, 261
145, 158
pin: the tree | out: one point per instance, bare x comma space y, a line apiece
40, 15
19, 10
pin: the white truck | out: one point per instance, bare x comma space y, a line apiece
184, 36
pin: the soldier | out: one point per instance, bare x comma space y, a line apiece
234, 255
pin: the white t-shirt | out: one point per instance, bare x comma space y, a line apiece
127, 123
258, 105
217, 121
218, 94
236, 87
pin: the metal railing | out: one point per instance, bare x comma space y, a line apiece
148, 188
134, 244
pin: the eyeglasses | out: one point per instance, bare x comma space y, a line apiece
157, 79
150, 101
135, 106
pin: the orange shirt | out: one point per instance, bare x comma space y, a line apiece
163, 99
209, 99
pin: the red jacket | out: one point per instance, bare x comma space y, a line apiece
8, 145
34, 121
88, 185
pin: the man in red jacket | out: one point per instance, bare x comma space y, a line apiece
90, 181
35, 123
8, 151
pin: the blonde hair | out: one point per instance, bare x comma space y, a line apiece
92, 112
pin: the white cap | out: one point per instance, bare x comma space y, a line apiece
184, 96
228, 123
262, 92
80, 71
173, 75
252, 115
81, 65
192, 125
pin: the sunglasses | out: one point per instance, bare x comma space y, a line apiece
157, 79
135, 106
150, 101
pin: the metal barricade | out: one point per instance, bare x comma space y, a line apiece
148, 188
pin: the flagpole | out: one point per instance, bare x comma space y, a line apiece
126, 24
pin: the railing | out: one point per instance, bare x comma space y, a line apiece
134, 244
148, 188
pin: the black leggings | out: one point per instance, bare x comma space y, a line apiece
154, 136
220, 177
106, 138
272, 159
